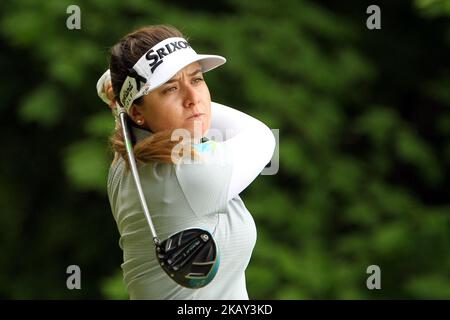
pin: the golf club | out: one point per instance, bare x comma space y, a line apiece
189, 257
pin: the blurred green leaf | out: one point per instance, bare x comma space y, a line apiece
101, 124
430, 286
43, 106
113, 287
86, 165
413, 149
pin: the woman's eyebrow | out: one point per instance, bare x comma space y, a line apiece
195, 72
190, 75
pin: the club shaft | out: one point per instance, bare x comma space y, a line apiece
129, 146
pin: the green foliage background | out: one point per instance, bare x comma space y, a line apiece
364, 120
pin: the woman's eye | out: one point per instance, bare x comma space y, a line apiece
197, 80
171, 89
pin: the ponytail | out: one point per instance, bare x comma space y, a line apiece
157, 148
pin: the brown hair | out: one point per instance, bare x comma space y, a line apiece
124, 55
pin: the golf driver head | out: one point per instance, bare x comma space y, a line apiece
190, 257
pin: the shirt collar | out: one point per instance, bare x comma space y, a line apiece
140, 134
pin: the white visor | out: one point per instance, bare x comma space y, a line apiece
160, 64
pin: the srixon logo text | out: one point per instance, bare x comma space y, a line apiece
156, 57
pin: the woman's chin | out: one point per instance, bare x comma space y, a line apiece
197, 128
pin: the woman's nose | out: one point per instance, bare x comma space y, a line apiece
190, 96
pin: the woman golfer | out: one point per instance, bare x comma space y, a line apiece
193, 159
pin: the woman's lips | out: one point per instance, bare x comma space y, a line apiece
196, 116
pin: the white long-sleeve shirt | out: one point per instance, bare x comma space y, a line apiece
202, 195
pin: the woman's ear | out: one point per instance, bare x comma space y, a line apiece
135, 114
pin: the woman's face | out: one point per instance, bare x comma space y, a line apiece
181, 102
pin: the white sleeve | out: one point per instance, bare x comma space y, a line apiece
250, 142
232, 161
